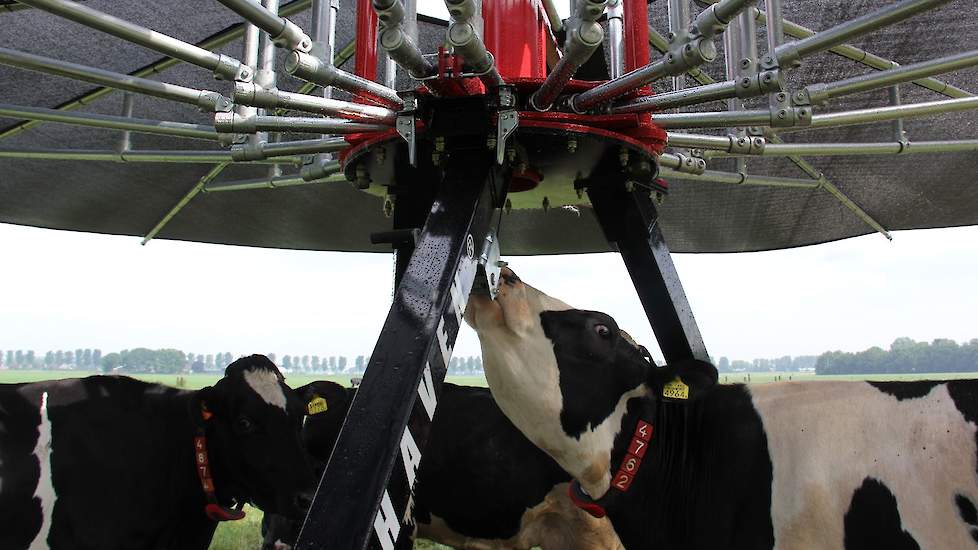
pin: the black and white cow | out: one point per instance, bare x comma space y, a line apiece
678, 461
110, 462
481, 484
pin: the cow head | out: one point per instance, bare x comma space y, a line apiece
253, 437
564, 376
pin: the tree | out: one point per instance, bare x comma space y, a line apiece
332, 364
342, 363
287, 362
30, 359
59, 358
305, 363
209, 362
10, 358
359, 363
87, 358
111, 361
317, 363
271, 357
96, 358
79, 354
49, 359
19, 358
70, 358
228, 358
723, 365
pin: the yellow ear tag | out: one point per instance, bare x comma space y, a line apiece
676, 389
317, 405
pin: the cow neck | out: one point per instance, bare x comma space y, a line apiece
199, 416
628, 454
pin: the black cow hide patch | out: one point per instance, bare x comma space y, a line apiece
968, 513
873, 520
905, 390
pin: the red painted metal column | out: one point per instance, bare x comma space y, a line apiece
513, 36
366, 53
636, 34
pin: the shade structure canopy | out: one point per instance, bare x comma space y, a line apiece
777, 203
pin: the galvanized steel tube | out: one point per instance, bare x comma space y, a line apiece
716, 176
896, 75
689, 96
284, 33
882, 114
583, 38
180, 157
788, 54
250, 94
858, 149
309, 67
244, 153
202, 98
723, 119
225, 66
234, 123
139, 125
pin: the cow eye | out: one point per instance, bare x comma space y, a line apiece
245, 425
602, 330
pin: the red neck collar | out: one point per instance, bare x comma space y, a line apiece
622, 480
213, 508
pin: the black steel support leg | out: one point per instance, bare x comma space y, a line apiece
629, 220
365, 492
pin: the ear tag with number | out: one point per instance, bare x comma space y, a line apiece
676, 389
317, 405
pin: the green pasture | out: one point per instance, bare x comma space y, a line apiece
246, 534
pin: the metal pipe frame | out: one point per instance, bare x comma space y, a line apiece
679, 16
695, 49
719, 119
180, 157
395, 39
760, 84
840, 149
213, 173
139, 125
271, 182
233, 123
893, 112
553, 16
222, 65
661, 44
716, 176
865, 58
263, 150
251, 94
818, 93
616, 38
467, 42
312, 69
734, 144
284, 33
584, 35
212, 43
205, 99
791, 53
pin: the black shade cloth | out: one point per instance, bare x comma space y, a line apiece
901, 192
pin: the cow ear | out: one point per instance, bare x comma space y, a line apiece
210, 401
321, 396
682, 381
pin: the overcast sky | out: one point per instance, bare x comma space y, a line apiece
65, 290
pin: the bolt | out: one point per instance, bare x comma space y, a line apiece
436, 158
671, 37
623, 156
758, 142
742, 142
800, 96
546, 204
571, 144
803, 112
362, 177
781, 97
782, 114
508, 207
440, 144
511, 154
659, 197
491, 142
744, 63
388, 207
745, 82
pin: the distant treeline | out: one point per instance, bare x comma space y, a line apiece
904, 356
173, 361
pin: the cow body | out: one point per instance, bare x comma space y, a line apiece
792, 466
481, 484
109, 462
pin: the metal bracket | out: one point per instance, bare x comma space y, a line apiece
690, 165
490, 262
213, 102
406, 126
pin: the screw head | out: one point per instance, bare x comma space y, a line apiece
782, 114
781, 96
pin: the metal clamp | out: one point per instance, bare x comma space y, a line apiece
213, 102
758, 84
406, 126
490, 262
507, 120
690, 165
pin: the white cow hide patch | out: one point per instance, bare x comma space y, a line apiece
825, 438
266, 385
44, 491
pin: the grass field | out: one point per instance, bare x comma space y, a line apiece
245, 534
